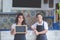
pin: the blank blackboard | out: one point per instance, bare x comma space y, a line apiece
27, 3
21, 29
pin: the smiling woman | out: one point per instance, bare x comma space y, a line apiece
20, 20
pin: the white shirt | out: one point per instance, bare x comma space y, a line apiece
45, 25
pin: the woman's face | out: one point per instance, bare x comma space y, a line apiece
39, 18
20, 19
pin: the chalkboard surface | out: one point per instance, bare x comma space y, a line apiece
21, 29
27, 3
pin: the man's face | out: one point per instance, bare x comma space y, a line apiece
39, 18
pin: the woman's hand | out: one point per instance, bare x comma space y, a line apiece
13, 32
25, 32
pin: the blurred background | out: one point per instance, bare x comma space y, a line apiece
50, 10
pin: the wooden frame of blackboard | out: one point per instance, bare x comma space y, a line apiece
46, 1
21, 26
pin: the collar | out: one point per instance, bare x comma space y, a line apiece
40, 23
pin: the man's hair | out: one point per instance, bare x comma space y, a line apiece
38, 14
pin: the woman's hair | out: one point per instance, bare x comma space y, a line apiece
20, 14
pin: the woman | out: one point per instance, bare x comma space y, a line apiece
40, 28
20, 20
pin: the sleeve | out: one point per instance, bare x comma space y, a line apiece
34, 25
46, 25
13, 26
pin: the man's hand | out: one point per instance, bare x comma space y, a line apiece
42, 32
37, 33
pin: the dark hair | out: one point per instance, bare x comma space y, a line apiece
20, 14
38, 14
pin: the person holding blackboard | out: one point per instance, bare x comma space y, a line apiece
40, 27
20, 20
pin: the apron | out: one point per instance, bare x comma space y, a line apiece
41, 36
19, 37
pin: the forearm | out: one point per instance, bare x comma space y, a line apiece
33, 28
43, 32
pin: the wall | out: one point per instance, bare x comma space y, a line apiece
51, 35
0, 35
7, 6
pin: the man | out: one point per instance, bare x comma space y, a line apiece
40, 28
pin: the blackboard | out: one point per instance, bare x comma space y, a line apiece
21, 29
27, 3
